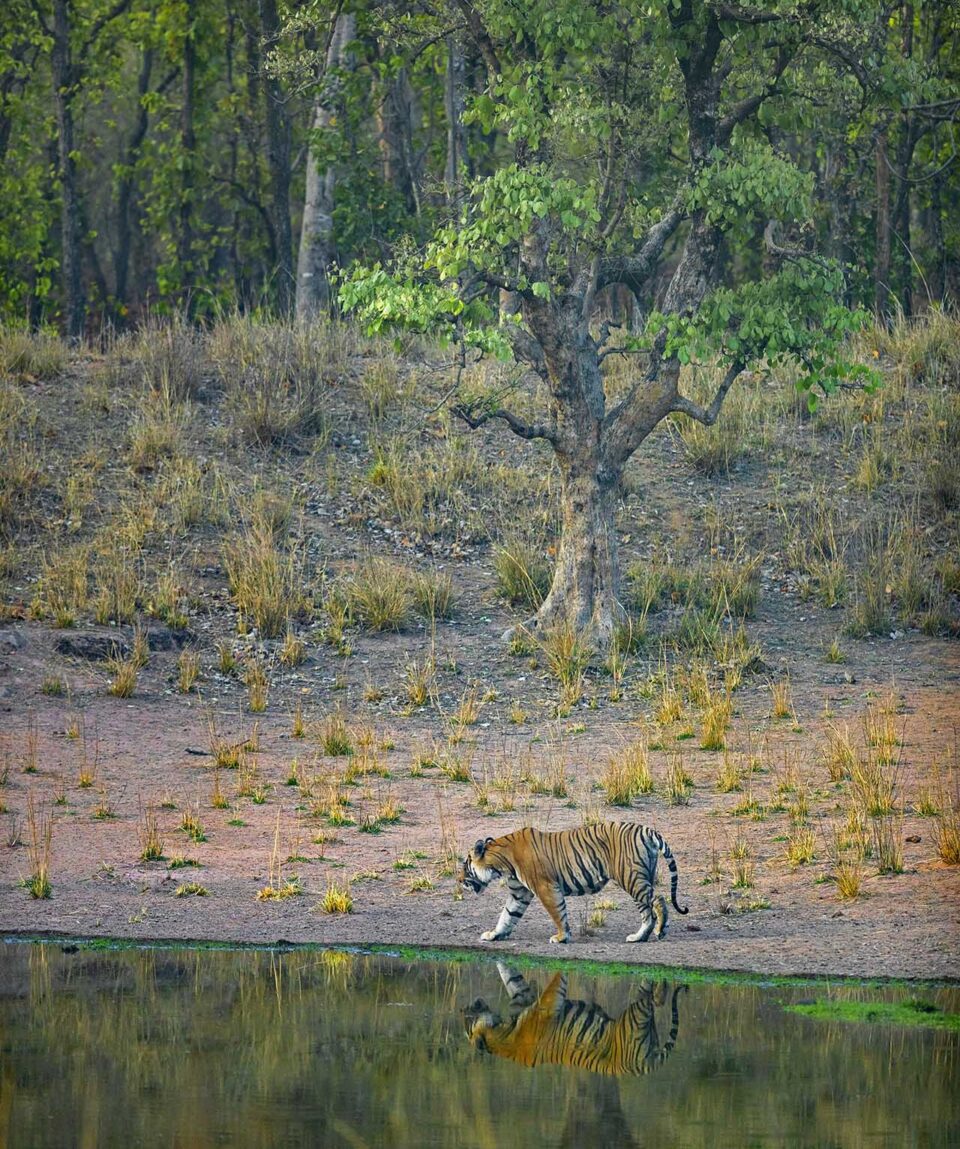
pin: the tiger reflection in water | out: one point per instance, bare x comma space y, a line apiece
552, 1029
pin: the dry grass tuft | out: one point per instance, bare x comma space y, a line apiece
627, 775
337, 898
40, 829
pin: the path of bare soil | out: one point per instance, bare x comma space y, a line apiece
153, 748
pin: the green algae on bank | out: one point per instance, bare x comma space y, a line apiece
590, 967
902, 1013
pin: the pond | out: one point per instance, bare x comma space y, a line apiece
163, 1047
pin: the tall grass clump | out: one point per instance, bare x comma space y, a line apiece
523, 573
715, 722
567, 656
433, 595
40, 829
265, 579
627, 775
170, 358
947, 825
379, 595
839, 754
277, 376
31, 354
337, 898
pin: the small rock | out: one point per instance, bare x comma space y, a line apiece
912, 838
165, 638
92, 646
11, 640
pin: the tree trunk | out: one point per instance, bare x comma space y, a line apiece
121, 254
317, 243
394, 118
278, 160
457, 163
881, 265
583, 595
70, 245
938, 271
188, 144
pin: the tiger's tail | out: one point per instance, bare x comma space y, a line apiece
674, 875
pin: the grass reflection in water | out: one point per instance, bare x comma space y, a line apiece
164, 1047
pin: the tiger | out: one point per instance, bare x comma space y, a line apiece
552, 1029
554, 865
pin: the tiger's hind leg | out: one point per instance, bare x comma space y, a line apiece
660, 915
648, 916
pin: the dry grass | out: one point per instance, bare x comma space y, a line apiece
266, 581
627, 775
801, 847
124, 676
715, 723
39, 847
335, 737
729, 774
433, 594
946, 830
188, 670
523, 573
31, 355
379, 595
678, 783
151, 838
277, 376
888, 842
337, 898
839, 755
874, 785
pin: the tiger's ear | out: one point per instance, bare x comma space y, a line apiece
480, 847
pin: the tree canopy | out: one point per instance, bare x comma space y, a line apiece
155, 154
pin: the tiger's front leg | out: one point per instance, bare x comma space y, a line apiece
520, 897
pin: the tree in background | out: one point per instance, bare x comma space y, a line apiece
639, 162
165, 165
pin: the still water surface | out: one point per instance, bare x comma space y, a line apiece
204, 1048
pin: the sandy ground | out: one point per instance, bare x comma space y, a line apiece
150, 753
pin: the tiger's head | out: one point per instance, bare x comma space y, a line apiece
479, 1021
476, 870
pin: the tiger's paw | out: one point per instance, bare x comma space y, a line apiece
560, 940
490, 936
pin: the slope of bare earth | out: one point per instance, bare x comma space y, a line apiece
486, 751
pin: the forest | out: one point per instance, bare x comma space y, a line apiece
202, 155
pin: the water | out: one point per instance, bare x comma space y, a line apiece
202, 1048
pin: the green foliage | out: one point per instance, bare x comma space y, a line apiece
750, 183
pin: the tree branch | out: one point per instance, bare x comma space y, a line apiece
117, 10
633, 271
517, 426
481, 37
739, 112
741, 15
708, 415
